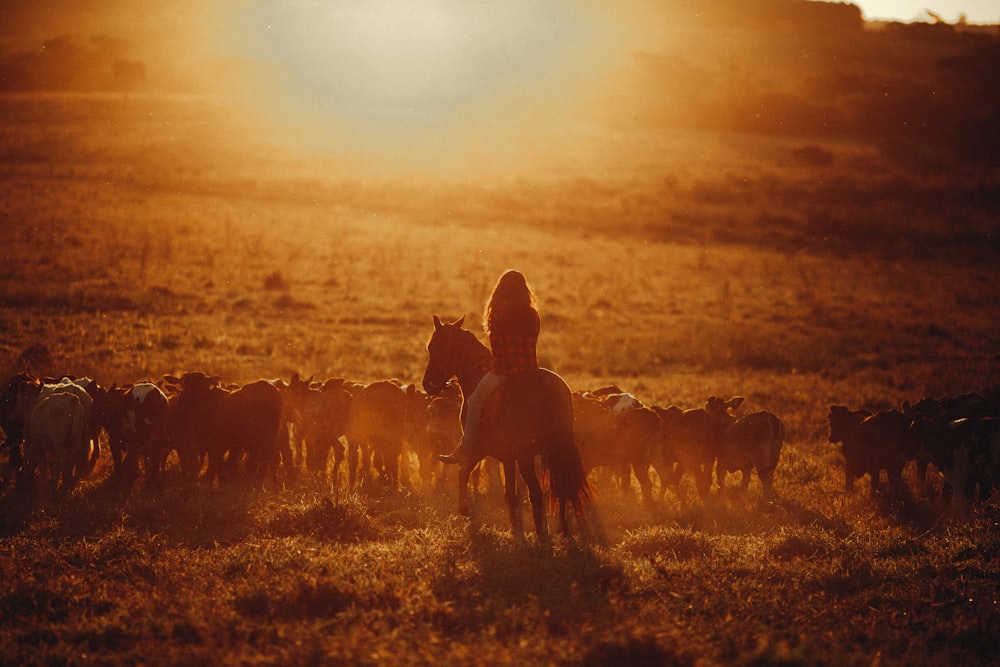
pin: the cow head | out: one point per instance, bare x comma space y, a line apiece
722, 410
843, 421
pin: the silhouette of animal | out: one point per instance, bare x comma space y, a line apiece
531, 414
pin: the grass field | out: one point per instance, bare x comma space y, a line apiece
137, 240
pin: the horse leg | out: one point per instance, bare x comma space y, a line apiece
510, 495
530, 477
464, 472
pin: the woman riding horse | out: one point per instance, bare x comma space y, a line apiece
512, 324
524, 415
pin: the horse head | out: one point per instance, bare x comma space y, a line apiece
452, 351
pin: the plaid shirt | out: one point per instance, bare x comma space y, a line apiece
514, 351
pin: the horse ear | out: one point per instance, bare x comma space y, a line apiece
459, 322
437, 323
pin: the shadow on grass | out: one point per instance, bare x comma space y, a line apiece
188, 512
521, 583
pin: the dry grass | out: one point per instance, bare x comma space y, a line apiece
123, 260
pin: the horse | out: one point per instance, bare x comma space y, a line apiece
530, 414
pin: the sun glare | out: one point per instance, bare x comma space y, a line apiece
403, 77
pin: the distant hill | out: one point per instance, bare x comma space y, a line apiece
812, 69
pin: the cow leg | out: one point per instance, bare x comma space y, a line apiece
63, 467
285, 452
95, 453
961, 481
767, 480
317, 453
530, 477
874, 475
116, 455
625, 478
190, 465
29, 464
645, 483
922, 470
14, 453
670, 476
895, 476
353, 463
703, 480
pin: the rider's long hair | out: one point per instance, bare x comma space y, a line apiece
511, 303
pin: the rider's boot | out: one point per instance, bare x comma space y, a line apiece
462, 454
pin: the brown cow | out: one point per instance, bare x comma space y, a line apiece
751, 442
324, 413
961, 435
870, 444
229, 428
438, 430
12, 420
377, 431
615, 430
693, 440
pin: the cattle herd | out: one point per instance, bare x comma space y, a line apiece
54, 429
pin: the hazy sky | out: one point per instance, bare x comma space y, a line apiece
390, 73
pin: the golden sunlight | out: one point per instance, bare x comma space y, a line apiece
406, 78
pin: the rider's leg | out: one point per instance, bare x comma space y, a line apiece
473, 416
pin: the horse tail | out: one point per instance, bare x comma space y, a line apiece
567, 477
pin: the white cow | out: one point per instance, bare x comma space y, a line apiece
88, 454
55, 430
52, 414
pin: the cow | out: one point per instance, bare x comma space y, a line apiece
324, 412
107, 402
637, 435
976, 456
433, 427
594, 432
229, 428
18, 397
377, 430
11, 421
692, 439
56, 427
289, 429
961, 436
749, 442
134, 417
615, 430
943, 411
871, 443
88, 454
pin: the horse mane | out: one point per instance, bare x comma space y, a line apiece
456, 328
